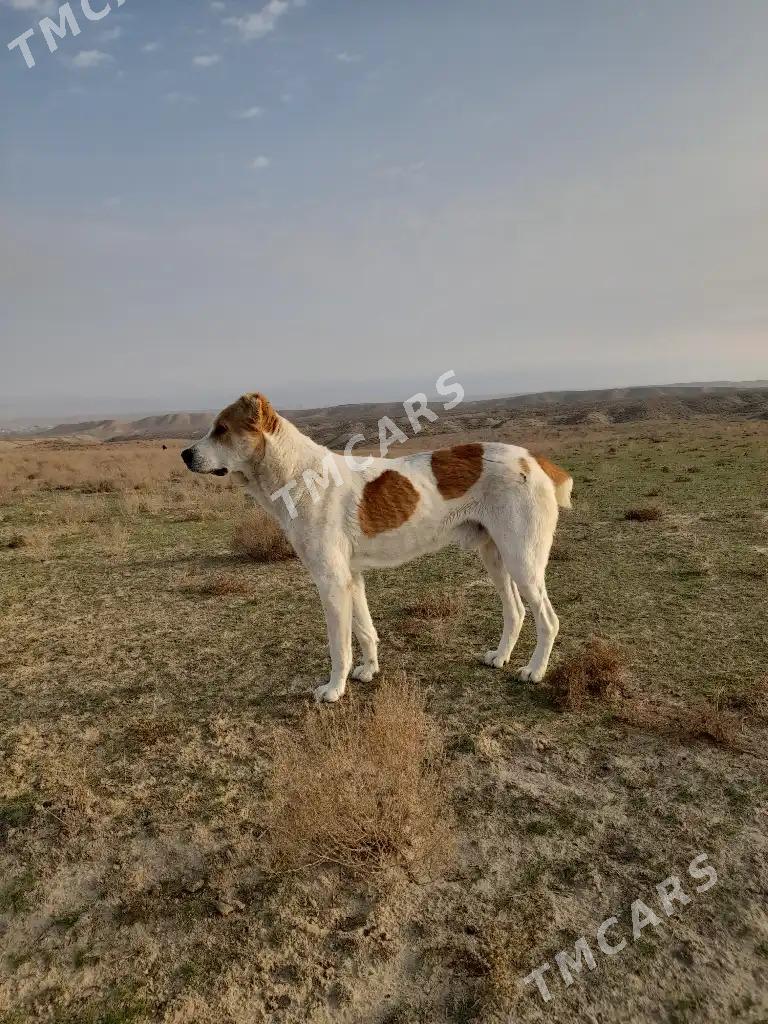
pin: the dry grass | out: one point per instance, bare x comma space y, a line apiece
752, 699
17, 541
593, 672
88, 482
700, 721
260, 538
596, 672
560, 553
442, 604
219, 584
33, 542
359, 787
643, 514
85, 467
113, 539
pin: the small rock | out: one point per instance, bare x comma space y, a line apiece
225, 909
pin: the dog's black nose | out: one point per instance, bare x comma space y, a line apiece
188, 457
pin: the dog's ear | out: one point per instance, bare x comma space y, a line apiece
258, 412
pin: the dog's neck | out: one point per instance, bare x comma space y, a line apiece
287, 454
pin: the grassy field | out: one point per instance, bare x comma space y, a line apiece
145, 667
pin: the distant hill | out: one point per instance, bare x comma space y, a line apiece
172, 424
332, 425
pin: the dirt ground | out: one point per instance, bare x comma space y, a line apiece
138, 703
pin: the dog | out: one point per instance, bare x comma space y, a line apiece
498, 499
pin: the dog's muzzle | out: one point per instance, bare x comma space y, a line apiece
189, 455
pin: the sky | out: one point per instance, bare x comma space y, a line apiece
339, 200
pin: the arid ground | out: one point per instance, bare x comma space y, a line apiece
145, 667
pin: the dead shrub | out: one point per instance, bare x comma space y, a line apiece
360, 787
596, 672
260, 538
643, 514
443, 604
593, 672
702, 720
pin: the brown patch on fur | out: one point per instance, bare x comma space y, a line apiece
251, 414
270, 421
457, 469
388, 501
525, 468
556, 474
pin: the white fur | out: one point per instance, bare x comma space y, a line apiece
509, 516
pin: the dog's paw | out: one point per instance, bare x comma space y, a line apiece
494, 659
365, 672
328, 693
528, 674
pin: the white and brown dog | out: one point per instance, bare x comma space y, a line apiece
496, 498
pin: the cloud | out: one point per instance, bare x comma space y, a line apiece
348, 58
217, 5
152, 47
35, 6
87, 59
180, 97
206, 60
249, 113
110, 34
260, 163
261, 23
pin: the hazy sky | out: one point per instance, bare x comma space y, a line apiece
334, 199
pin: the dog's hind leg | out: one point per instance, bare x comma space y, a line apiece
335, 588
547, 628
513, 608
365, 632
524, 542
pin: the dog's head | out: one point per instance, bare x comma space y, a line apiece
237, 439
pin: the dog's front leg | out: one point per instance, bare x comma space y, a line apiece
335, 590
365, 631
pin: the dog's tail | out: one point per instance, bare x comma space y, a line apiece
561, 480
